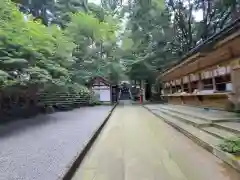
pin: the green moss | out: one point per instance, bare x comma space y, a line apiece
231, 145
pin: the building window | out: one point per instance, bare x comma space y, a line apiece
223, 83
223, 78
185, 88
207, 84
194, 86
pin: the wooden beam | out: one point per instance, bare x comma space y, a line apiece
229, 42
181, 64
229, 38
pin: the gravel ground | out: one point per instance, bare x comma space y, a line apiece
42, 148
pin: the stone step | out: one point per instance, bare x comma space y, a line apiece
201, 137
208, 115
187, 119
233, 127
189, 129
185, 113
219, 133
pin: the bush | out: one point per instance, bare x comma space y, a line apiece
231, 145
94, 100
52, 63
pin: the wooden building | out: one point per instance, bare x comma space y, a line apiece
209, 75
104, 90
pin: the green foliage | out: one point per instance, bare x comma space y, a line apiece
3, 78
30, 47
64, 8
139, 39
94, 101
53, 61
158, 33
95, 41
111, 4
231, 145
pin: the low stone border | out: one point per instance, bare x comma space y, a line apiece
79, 157
228, 158
224, 156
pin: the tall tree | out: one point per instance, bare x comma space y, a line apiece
40, 9
64, 8
162, 32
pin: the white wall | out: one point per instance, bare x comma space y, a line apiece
103, 94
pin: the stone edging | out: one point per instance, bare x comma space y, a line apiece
224, 156
80, 156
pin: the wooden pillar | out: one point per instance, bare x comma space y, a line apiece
214, 82
182, 88
235, 74
189, 84
200, 83
170, 89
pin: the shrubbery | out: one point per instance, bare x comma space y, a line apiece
94, 100
231, 145
48, 60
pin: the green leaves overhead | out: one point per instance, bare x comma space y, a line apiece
8, 63
160, 32
138, 37
36, 54
89, 26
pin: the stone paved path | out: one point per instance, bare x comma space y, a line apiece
43, 147
136, 145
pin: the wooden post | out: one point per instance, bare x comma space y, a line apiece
181, 83
235, 74
189, 84
200, 83
213, 81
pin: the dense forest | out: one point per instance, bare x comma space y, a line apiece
53, 46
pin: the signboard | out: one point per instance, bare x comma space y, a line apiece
173, 83
206, 74
221, 71
185, 79
167, 84
178, 82
194, 77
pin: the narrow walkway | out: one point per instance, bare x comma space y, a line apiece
136, 145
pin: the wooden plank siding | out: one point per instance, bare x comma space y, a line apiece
206, 77
226, 52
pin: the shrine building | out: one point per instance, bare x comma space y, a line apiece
209, 75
